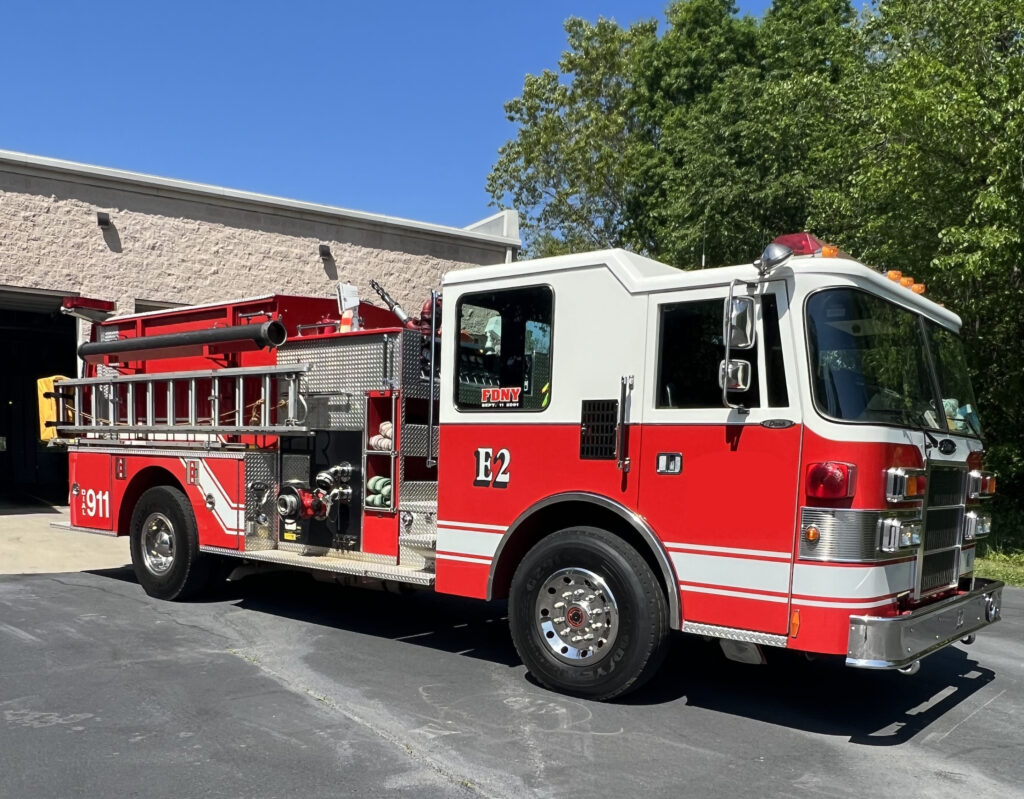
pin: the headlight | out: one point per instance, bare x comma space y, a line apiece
977, 525
897, 534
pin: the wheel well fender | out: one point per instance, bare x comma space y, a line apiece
146, 479
574, 509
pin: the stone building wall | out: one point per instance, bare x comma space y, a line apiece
176, 242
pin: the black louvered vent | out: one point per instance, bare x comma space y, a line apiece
597, 429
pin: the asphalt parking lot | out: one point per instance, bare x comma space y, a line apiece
279, 686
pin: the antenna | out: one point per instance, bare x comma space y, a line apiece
704, 239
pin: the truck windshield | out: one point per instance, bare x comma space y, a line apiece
873, 361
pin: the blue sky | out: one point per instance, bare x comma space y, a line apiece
393, 108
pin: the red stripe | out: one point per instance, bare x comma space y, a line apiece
858, 599
481, 558
734, 588
861, 564
768, 558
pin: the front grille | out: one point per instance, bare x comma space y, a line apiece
942, 528
938, 570
945, 487
943, 523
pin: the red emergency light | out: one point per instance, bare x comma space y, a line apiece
831, 480
88, 303
807, 244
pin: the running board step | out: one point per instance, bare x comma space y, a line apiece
328, 563
421, 541
69, 527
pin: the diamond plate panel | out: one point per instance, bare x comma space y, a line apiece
417, 541
416, 495
343, 370
414, 370
735, 634
261, 519
347, 564
414, 440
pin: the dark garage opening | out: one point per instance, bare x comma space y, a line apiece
36, 340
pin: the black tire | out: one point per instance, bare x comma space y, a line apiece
597, 576
165, 546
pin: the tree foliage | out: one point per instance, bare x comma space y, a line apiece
897, 133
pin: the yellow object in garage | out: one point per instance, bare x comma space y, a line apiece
47, 406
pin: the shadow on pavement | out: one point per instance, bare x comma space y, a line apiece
823, 696
22, 503
445, 623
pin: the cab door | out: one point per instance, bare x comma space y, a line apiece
719, 485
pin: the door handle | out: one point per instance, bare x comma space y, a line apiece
670, 462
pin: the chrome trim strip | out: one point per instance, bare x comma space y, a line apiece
735, 634
849, 536
637, 522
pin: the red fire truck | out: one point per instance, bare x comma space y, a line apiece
779, 454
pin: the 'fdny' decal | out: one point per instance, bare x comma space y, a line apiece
507, 397
492, 468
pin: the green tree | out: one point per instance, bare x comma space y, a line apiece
936, 187
570, 169
740, 156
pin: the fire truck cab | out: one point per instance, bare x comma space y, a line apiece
778, 454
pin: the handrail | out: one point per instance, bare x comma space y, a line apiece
199, 374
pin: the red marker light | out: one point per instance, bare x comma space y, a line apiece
88, 303
831, 480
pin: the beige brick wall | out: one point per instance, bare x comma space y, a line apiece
168, 246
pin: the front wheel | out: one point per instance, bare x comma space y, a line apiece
165, 546
587, 614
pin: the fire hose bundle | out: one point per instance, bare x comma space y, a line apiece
384, 440
378, 492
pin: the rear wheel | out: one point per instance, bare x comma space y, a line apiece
165, 546
587, 614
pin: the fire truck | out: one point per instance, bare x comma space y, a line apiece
780, 454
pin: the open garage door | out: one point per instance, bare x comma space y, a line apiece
35, 340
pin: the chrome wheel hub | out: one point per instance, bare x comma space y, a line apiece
158, 543
577, 615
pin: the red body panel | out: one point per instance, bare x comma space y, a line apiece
90, 475
380, 533
736, 491
220, 479
871, 459
541, 460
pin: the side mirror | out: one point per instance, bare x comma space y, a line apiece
739, 324
735, 376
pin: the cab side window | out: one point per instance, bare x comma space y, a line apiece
690, 350
504, 350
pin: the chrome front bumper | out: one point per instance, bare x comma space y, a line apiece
892, 642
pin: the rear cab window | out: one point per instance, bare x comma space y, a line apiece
503, 360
